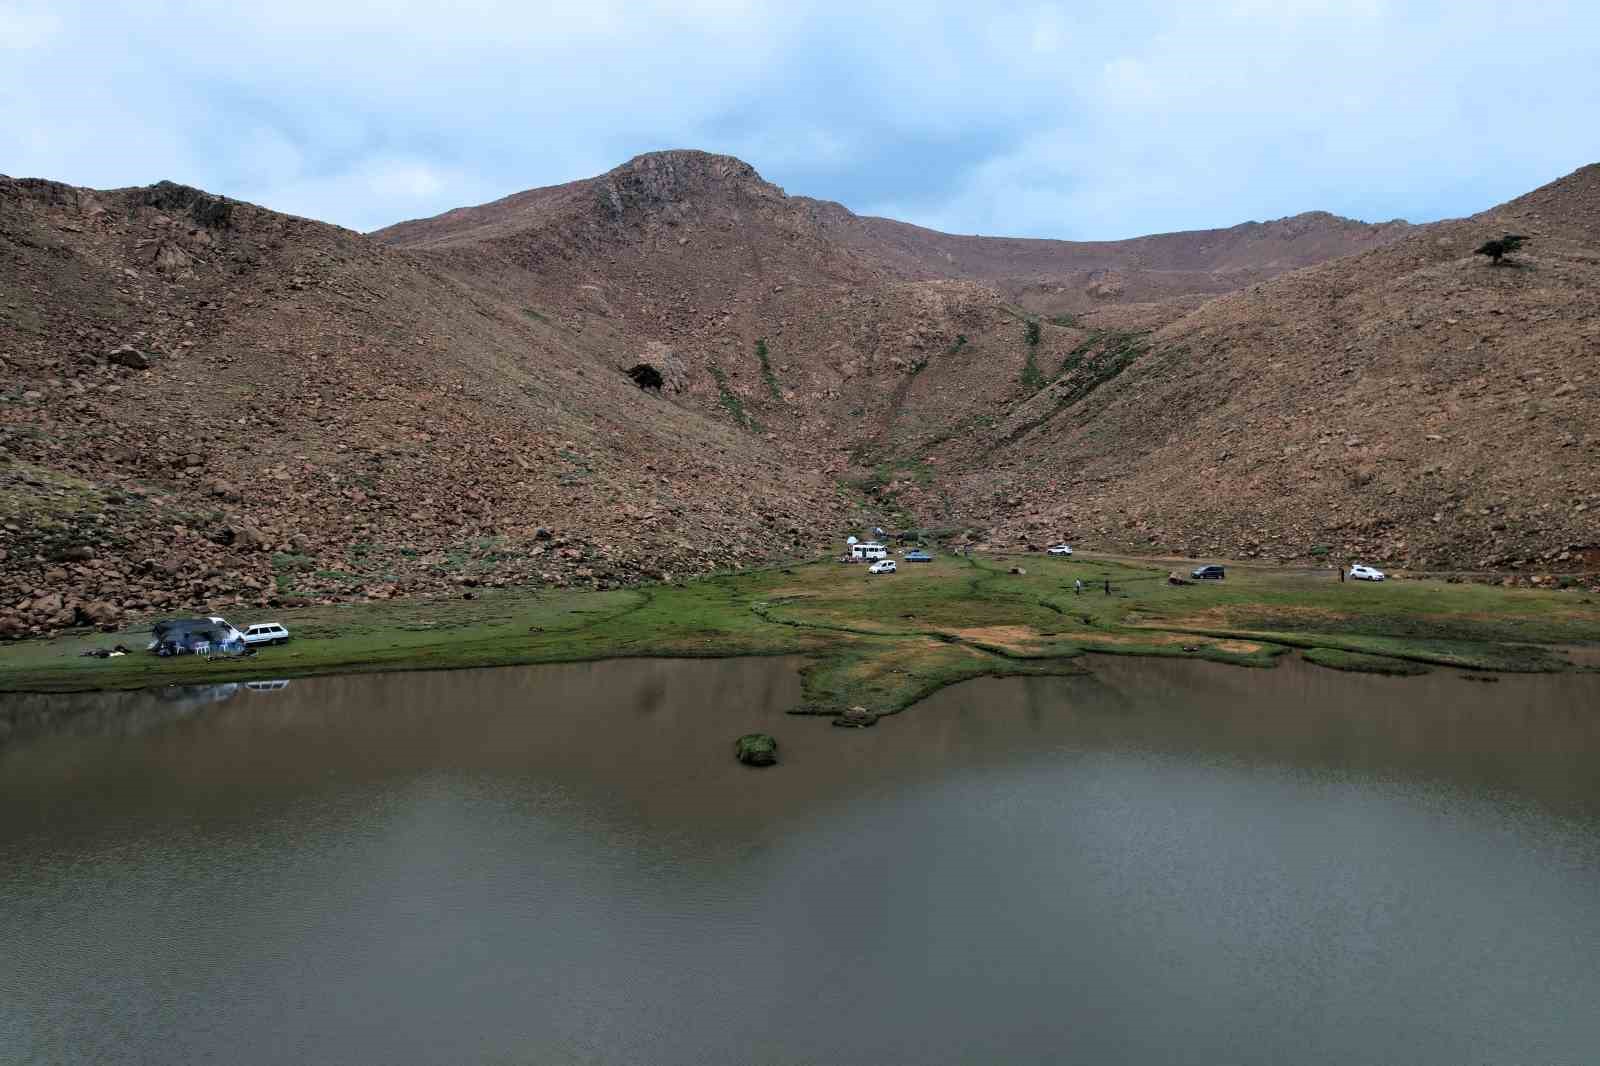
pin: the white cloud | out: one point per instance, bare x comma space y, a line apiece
25, 27
373, 192
1048, 118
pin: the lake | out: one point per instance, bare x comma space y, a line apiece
1162, 862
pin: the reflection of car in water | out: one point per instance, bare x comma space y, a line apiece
267, 686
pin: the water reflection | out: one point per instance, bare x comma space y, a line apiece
1161, 861
26, 716
267, 686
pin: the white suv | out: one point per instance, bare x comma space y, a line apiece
266, 633
1360, 572
882, 566
1059, 549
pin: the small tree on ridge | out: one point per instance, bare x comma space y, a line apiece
1499, 247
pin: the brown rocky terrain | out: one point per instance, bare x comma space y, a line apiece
1413, 405
1052, 277
206, 403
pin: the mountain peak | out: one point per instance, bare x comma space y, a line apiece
688, 161
671, 181
680, 174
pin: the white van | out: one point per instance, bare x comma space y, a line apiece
868, 549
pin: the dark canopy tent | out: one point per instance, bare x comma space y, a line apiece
185, 633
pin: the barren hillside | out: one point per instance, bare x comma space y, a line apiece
679, 191
1413, 405
205, 402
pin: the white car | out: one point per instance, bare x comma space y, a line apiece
266, 633
1059, 549
1359, 572
882, 566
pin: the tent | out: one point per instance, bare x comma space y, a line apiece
178, 636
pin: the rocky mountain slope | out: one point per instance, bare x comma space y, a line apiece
681, 191
205, 403
1413, 404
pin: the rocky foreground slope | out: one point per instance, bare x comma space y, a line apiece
205, 403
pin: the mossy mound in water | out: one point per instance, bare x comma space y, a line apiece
756, 749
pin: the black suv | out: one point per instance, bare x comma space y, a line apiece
1207, 573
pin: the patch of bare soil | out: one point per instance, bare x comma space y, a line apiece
1243, 647
1011, 638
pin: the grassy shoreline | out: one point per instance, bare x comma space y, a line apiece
886, 642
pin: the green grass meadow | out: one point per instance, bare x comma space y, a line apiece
886, 641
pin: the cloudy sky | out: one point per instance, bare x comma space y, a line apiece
1061, 120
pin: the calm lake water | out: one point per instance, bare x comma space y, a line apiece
1165, 862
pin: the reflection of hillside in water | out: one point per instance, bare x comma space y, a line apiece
651, 738
572, 840
26, 716
646, 744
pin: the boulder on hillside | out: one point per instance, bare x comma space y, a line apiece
128, 356
248, 538
48, 605
241, 537
658, 367
99, 613
170, 259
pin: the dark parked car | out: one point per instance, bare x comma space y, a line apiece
917, 555
1207, 573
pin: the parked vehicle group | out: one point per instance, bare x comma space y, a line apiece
212, 637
